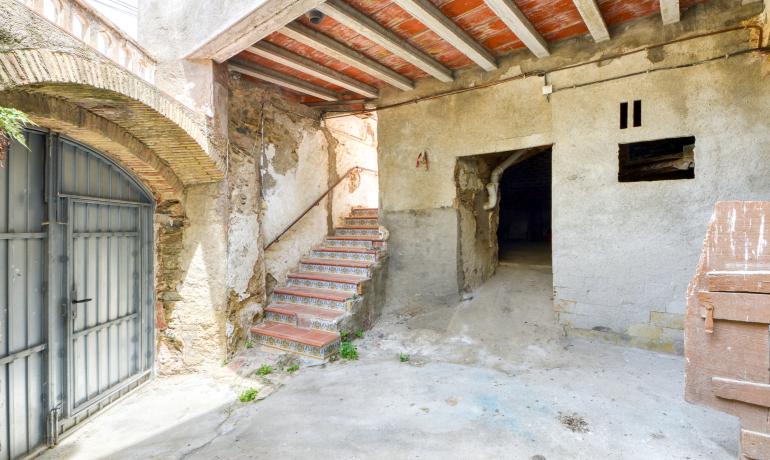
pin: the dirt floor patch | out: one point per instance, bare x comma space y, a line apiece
574, 423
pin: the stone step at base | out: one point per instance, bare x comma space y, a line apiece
325, 298
304, 316
357, 221
309, 342
365, 212
365, 255
358, 230
345, 283
339, 267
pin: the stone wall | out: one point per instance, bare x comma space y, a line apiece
300, 156
213, 214
623, 252
214, 276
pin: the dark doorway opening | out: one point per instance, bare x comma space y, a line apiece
524, 231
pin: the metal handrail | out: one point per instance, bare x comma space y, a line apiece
315, 203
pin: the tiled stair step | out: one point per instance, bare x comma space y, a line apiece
326, 281
357, 230
372, 221
368, 255
366, 212
326, 298
339, 267
366, 242
306, 316
310, 342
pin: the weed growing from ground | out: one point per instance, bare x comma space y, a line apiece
265, 370
248, 395
293, 368
403, 357
359, 334
344, 336
249, 344
348, 350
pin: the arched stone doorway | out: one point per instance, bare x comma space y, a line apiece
79, 264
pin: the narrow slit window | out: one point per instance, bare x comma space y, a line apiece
623, 115
665, 159
637, 114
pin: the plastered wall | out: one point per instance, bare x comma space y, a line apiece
622, 253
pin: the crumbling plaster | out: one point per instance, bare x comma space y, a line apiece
623, 253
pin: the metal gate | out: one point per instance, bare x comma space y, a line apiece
76, 288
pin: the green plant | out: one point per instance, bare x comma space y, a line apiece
265, 370
359, 334
348, 350
247, 395
293, 368
344, 336
12, 123
249, 344
403, 357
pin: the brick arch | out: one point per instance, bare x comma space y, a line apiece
151, 134
102, 135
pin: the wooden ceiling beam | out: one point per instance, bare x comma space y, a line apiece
669, 10
295, 61
286, 81
512, 16
592, 17
265, 18
363, 25
428, 14
334, 49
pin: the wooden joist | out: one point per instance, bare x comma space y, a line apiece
286, 81
669, 11
363, 25
428, 14
334, 49
592, 17
512, 16
287, 58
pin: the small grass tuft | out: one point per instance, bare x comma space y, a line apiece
403, 357
348, 350
248, 395
359, 334
249, 344
344, 336
292, 369
265, 370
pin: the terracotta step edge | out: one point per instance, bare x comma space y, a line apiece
315, 293
339, 263
264, 329
320, 312
351, 279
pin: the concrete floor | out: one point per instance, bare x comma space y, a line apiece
525, 252
491, 377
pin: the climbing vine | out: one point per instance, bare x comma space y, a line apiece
12, 122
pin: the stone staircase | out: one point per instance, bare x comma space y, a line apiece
328, 293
